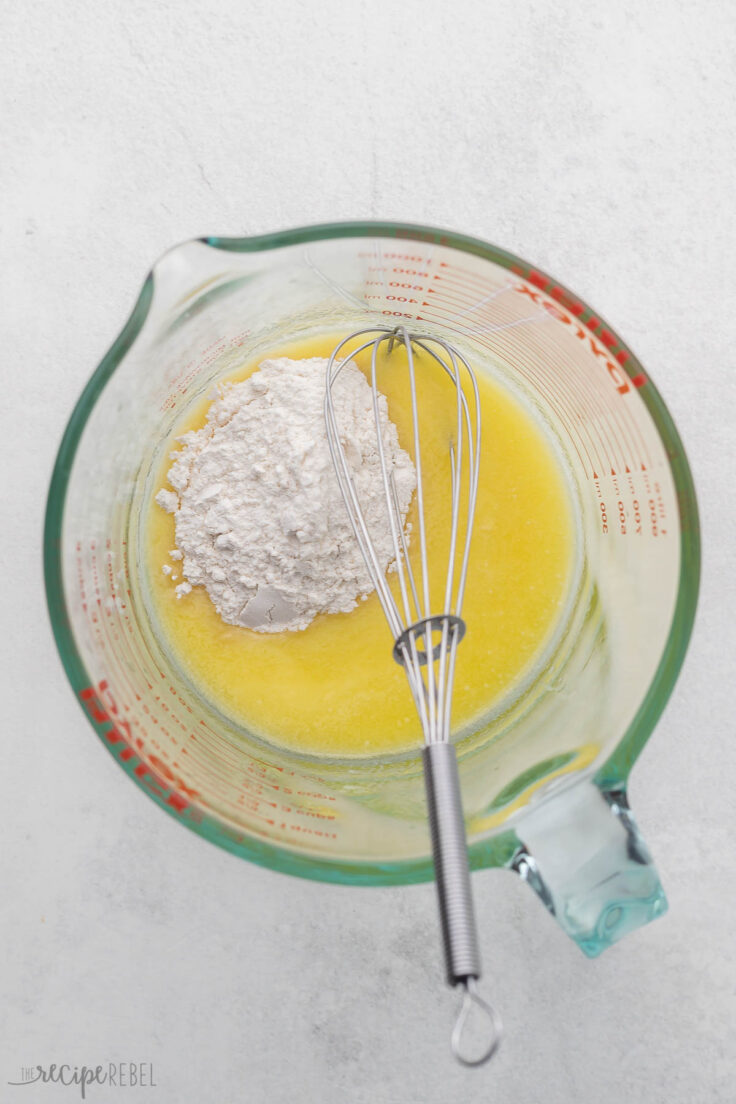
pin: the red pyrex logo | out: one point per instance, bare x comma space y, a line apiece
155, 775
568, 310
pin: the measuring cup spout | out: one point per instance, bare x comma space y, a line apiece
585, 858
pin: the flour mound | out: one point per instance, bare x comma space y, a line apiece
260, 520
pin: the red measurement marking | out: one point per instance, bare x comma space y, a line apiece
575, 392
93, 705
117, 732
469, 283
309, 831
595, 398
263, 800
411, 258
498, 339
628, 426
314, 813
466, 273
592, 324
576, 438
266, 820
537, 279
114, 645
558, 293
484, 306
446, 297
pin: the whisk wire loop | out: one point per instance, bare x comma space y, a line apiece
431, 683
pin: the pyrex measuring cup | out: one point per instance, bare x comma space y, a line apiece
544, 775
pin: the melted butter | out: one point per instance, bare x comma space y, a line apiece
334, 688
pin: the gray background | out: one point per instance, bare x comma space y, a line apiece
596, 140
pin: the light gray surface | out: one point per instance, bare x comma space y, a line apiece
594, 139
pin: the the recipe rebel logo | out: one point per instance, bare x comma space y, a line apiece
114, 1075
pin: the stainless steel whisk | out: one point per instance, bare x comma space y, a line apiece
429, 664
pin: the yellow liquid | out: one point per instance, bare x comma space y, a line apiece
334, 688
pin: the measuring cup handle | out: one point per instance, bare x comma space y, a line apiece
584, 856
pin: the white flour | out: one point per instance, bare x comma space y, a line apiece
260, 520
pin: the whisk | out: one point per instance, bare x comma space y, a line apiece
429, 664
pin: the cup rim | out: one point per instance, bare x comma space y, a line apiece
498, 849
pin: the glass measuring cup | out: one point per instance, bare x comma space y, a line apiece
544, 775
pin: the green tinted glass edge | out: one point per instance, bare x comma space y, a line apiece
499, 849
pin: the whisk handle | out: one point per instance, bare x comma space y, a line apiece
452, 873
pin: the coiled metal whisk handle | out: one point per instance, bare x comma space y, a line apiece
452, 875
